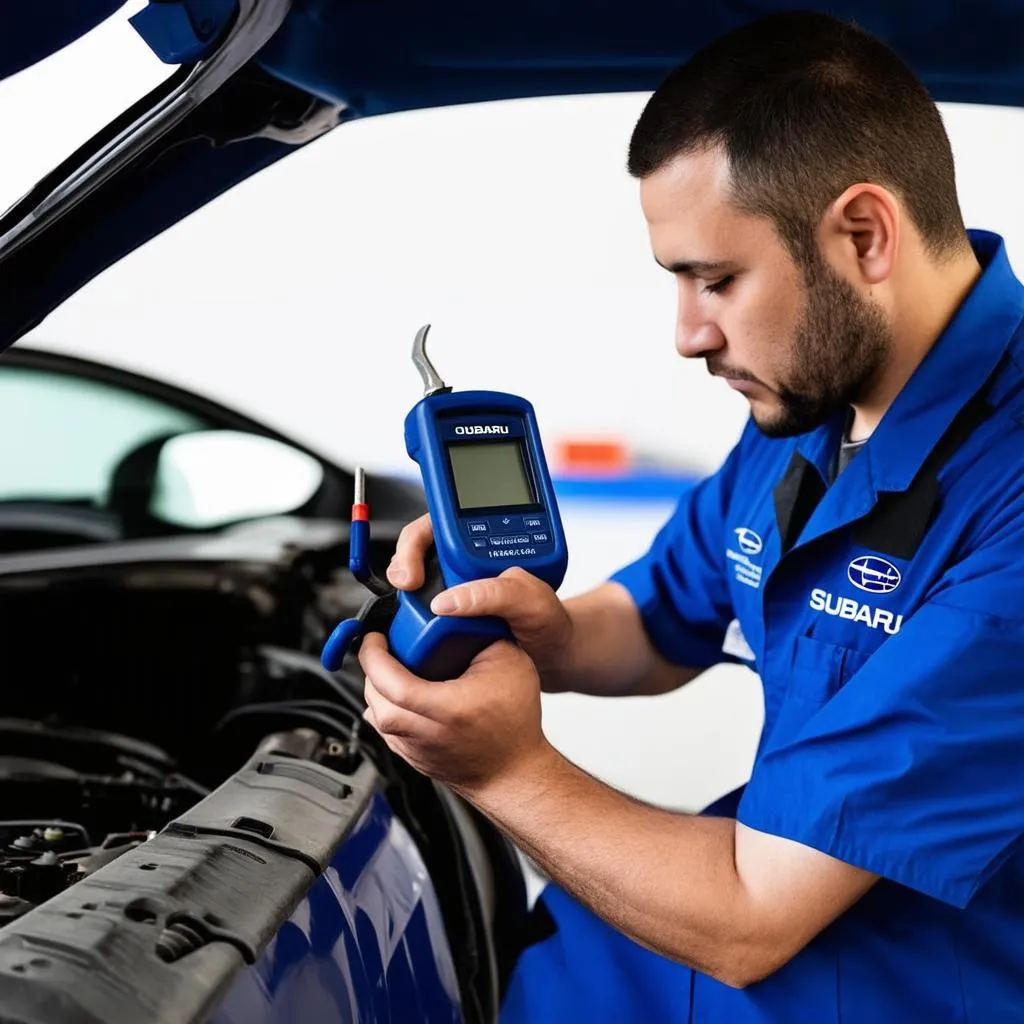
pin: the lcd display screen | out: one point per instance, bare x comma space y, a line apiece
490, 475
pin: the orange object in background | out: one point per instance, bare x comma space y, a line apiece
590, 456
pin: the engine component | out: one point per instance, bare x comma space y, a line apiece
178, 940
12, 907
128, 794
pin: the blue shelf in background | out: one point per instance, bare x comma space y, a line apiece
637, 486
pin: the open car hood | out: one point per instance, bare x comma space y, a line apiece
257, 79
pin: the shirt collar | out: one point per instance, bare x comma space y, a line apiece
955, 368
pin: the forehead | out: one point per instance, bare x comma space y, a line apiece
690, 214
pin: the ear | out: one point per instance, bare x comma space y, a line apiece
861, 233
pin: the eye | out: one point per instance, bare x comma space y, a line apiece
717, 287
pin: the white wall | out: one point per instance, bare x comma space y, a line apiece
512, 228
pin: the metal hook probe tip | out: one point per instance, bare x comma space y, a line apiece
432, 382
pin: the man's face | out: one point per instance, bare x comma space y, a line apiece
799, 343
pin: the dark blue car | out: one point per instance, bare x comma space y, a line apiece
195, 825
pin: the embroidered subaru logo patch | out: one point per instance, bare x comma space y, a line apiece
874, 574
749, 542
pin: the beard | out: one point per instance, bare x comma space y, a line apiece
839, 347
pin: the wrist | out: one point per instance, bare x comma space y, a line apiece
515, 783
558, 673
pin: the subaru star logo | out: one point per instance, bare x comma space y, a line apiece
749, 542
874, 574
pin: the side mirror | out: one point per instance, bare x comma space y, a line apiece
210, 478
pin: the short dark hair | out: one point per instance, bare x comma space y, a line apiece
803, 105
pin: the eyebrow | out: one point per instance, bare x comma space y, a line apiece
691, 267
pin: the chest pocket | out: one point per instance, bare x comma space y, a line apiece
814, 672
818, 670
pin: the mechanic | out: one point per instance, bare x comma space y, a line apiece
861, 548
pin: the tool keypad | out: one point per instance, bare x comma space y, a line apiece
507, 531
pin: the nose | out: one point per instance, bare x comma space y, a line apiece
696, 333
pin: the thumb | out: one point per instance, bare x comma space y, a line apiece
515, 596
479, 597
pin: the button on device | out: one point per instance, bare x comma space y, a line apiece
479, 542
534, 522
477, 528
541, 538
510, 541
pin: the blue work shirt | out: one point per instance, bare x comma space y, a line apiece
884, 613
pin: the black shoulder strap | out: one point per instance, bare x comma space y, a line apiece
796, 496
899, 520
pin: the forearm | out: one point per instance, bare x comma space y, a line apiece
667, 880
609, 653
730, 900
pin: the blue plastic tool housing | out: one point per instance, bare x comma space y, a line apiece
492, 506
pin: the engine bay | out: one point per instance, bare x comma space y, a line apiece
75, 799
148, 675
165, 703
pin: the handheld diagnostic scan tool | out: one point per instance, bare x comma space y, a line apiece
491, 506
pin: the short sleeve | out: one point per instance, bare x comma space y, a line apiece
914, 770
680, 585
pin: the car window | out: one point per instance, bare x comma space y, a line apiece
64, 435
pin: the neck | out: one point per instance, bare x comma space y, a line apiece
938, 293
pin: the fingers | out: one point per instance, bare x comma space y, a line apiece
392, 721
402, 728
394, 683
406, 571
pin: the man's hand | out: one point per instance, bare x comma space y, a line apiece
537, 618
468, 732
